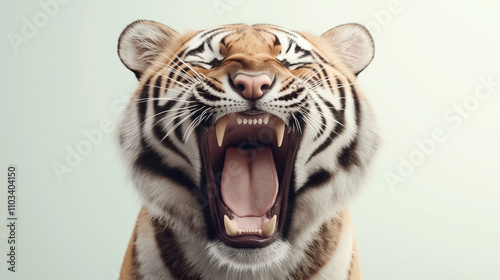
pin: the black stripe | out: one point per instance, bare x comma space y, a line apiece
157, 88
178, 131
202, 194
348, 155
151, 161
357, 106
182, 72
290, 43
325, 75
171, 253
339, 117
276, 41
172, 72
209, 44
299, 49
214, 62
297, 116
196, 51
158, 131
143, 103
290, 96
317, 179
175, 65
135, 262
207, 95
213, 86
323, 122
167, 143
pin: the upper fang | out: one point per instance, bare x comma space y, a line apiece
279, 127
220, 129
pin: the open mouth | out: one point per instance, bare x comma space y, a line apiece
249, 158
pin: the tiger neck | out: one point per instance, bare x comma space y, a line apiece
332, 254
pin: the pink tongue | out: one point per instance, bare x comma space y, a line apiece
249, 182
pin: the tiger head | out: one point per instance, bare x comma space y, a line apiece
244, 139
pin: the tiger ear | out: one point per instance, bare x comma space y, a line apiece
353, 43
140, 43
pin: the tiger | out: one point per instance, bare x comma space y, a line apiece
245, 144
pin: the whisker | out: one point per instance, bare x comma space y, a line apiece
197, 74
173, 80
176, 112
193, 125
315, 125
179, 123
146, 99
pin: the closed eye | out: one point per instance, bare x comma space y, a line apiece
293, 65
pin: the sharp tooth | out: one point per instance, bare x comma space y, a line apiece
279, 127
231, 226
266, 119
268, 227
238, 119
220, 129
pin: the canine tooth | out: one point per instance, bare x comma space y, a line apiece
266, 119
245, 121
238, 119
260, 121
231, 226
279, 127
220, 129
268, 226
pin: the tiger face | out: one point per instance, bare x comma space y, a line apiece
244, 139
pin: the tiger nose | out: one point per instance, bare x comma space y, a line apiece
252, 87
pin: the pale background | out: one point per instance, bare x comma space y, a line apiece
441, 223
